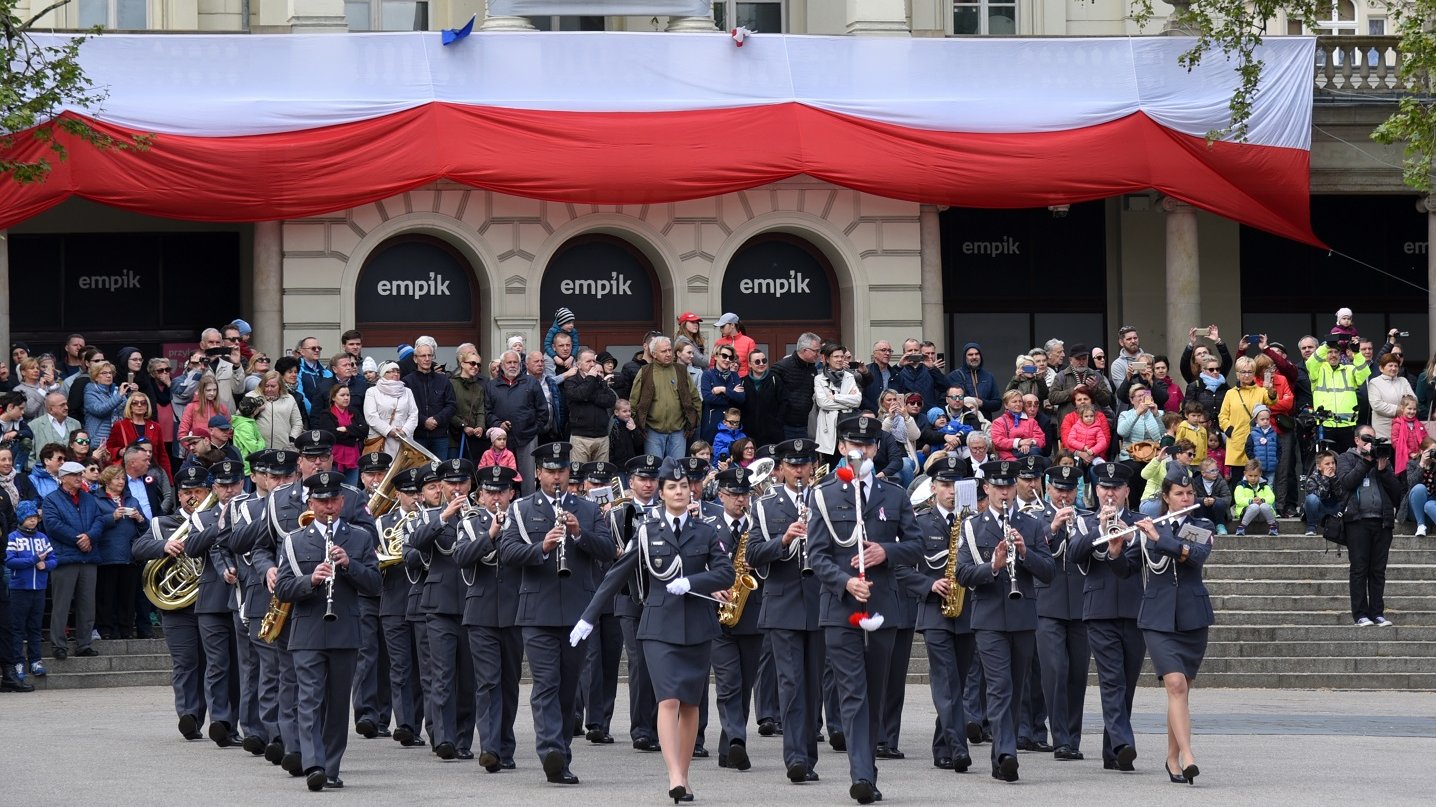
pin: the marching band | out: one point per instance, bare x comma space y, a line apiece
306, 607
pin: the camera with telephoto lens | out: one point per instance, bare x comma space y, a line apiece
1381, 448
913, 359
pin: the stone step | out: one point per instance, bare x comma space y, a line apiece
1368, 644
1231, 555
1217, 576
1287, 679
1396, 585
1294, 539
1325, 664
122, 662
1299, 603
1329, 611
1314, 633
95, 680
1297, 527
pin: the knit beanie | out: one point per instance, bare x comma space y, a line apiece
25, 509
563, 316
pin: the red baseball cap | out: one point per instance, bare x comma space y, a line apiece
689, 316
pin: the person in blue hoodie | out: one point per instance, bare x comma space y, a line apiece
1262, 443
563, 320
975, 380
44, 476
29, 559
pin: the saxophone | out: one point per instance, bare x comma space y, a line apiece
956, 594
744, 583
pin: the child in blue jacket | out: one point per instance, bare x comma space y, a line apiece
1261, 442
29, 557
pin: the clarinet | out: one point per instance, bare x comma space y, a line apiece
329, 615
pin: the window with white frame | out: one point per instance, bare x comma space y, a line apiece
387, 15
984, 17
120, 15
762, 16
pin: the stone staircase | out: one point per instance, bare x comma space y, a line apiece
1282, 608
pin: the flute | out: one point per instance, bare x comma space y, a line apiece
1102, 539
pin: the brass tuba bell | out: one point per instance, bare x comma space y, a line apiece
173, 583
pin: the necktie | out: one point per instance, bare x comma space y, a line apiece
951, 520
677, 527
740, 526
863, 491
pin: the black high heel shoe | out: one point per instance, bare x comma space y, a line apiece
1190, 772
1177, 778
680, 794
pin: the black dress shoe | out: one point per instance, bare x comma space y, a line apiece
1125, 755
314, 778
292, 763
885, 751
1176, 778
863, 792
797, 773
986, 736
189, 727
365, 728
1006, 768
333, 783
974, 732
877, 794
555, 768
489, 759
1066, 753
767, 728
87, 652
235, 739
738, 756
943, 762
1190, 773
1026, 745
1042, 746
274, 752
404, 736
645, 744
961, 763
507, 764
812, 776
61, 653
1109, 764
838, 741
699, 752
253, 745
578, 727
384, 732
679, 794
219, 732
446, 751
466, 754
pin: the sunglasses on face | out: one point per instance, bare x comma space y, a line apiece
83, 441
471, 364
757, 361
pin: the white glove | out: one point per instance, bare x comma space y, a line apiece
579, 633
680, 586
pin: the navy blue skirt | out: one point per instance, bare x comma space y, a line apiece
1178, 651
677, 670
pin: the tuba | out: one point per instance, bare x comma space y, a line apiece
744, 583
273, 623
390, 551
173, 583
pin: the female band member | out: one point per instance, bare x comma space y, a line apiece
674, 554
1175, 610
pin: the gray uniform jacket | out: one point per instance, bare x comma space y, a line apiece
888, 520
303, 552
991, 608
1175, 598
790, 599
1104, 594
491, 598
918, 580
545, 599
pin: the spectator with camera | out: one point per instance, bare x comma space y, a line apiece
1421, 481
1028, 377
974, 378
1338, 371
1366, 477
1077, 374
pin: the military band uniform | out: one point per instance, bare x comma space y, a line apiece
1061, 632
737, 649
1176, 610
628, 607
215, 618
598, 687
325, 651
789, 614
861, 659
416, 569
451, 698
1005, 628
406, 696
495, 640
373, 700
181, 627
1110, 606
549, 606
949, 641
248, 526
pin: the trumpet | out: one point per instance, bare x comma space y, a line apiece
1107, 538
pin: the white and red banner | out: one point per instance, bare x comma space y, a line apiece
251, 128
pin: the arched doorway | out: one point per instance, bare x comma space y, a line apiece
781, 285
610, 286
416, 284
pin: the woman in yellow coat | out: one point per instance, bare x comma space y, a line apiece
1238, 408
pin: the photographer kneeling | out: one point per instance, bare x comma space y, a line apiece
1365, 476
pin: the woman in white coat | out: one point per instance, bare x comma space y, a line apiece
389, 409
280, 420
835, 393
1385, 392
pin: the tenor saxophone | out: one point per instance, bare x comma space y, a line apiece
744, 583
956, 594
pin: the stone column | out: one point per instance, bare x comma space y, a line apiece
317, 16
934, 319
878, 18
506, 23
5, 299
704, 24
267, 282
1184, 287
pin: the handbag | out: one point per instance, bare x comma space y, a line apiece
1333, 529
373, 444
1142, 451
